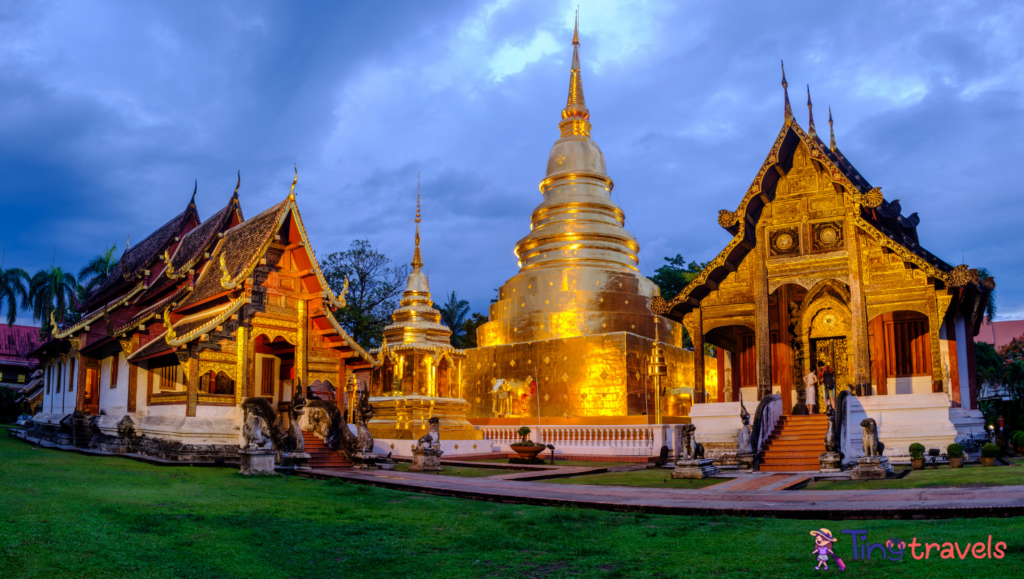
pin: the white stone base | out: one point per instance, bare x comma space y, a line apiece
718, 425
403, 448
902, 419
257, 462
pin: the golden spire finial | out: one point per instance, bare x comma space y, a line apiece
656, 324
810, 114
575, 116
831, 132
785, 91
239, 182
192, 201
417, 261
291, 194
576, 32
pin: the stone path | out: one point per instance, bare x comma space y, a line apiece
765, 499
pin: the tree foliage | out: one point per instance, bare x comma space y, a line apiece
52, 290
454, 314
990, 307
96, 270
676, 275
469, 327
375, 286
13, 291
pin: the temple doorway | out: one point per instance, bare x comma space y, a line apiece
832, 352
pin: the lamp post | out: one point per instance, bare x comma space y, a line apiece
657, 369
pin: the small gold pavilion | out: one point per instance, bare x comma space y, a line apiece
419, 375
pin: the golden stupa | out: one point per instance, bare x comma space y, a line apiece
569, 337
420, 372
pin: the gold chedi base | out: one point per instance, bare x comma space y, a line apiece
405, 417
596, 379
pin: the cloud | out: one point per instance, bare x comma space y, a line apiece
112, 110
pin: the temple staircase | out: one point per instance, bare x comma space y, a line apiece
795, 444
320, 456
81, 430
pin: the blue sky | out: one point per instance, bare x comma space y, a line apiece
110, 110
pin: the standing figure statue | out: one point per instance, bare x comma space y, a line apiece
743, 438
501, 397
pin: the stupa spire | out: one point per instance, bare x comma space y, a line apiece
785, 91
831, 132
810, 114
575, 116
417, 261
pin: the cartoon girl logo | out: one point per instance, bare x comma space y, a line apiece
823, 541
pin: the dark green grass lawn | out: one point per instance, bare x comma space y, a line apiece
67, 515
652, 478
968, 476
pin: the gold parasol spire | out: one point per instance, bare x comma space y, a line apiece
831, 132
575, 116
810, 114
417, 261
785, 91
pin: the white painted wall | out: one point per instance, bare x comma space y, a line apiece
114, 401
902, 420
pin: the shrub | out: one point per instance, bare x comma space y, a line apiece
916, 450
955, 451
1017, 439
989, 451
524, 431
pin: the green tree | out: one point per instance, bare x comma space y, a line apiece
475, 320
96, 270
375, 287
13, 284
671, 279
52, 290
676, 275
454, 314
990, 307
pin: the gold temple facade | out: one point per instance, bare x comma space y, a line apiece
571, 333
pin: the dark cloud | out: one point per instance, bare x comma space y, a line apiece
110, 111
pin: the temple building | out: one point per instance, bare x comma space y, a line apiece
195, 318
822, 269
567, 341
420, 374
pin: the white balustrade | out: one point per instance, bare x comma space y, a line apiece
626, 440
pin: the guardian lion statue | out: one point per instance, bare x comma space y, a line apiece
872, 446
432, 439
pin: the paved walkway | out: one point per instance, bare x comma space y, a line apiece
765, 499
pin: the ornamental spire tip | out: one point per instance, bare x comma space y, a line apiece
785, 91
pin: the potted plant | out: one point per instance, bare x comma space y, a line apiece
955, 452
526, 449
989, 453
917, 456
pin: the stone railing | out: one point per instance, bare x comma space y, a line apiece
625, 440
767, 415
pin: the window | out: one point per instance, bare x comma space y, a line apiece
113, 370
49, 378
216, 383
170, 378
267, 378
71, 375
908, 346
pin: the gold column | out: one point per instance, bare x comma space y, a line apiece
193, 385
697, 336
762, 331
301, 358
933, 330
241, 349
858, 313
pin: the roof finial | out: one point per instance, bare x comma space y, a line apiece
417, 261
291, 194
239, 182
785, 91
810, 114
576, 32
128, 242
831, 132
575, 116
192, 201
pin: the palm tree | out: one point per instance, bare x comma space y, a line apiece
990, 309
52, 290
453, 315
97, 269
12, 290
